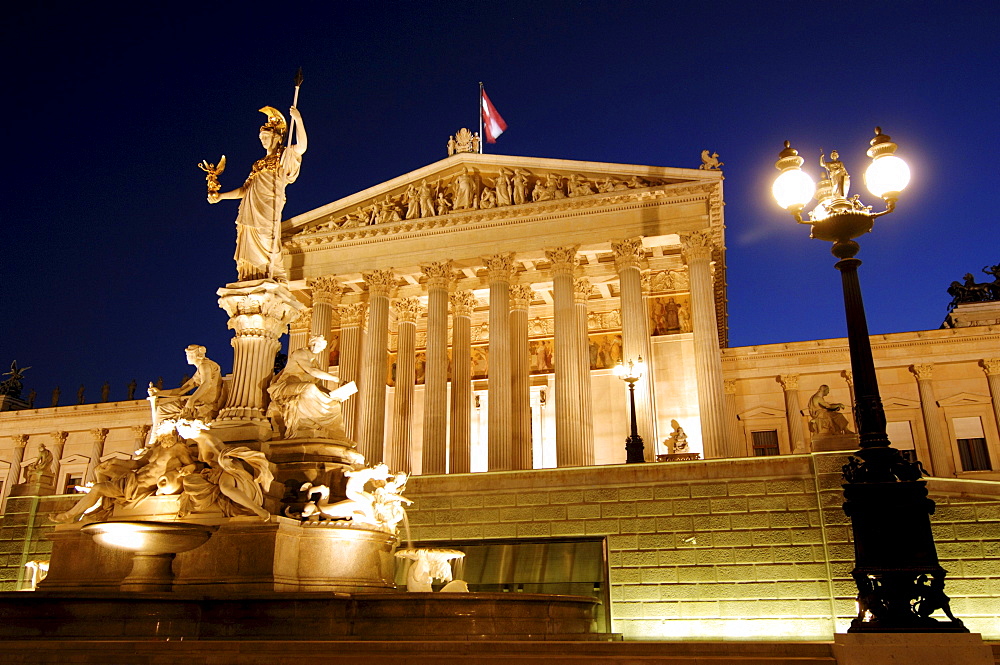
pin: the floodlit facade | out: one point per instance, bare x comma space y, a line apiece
481, 304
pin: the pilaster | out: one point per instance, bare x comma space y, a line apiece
991, 366
793, 412
98, 435
942, 461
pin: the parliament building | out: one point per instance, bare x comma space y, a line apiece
482, 304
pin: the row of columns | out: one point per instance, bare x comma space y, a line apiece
363, 358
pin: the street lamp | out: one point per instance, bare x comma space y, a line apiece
630, 374
900, 582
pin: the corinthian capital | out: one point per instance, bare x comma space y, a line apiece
789, 381
325, 289
729, 386
59, 438
990, 365
20, 440
628, 253
697, 245
463, 302
923, 372
408, 309
521, 296
499, 267
100, 434
380, 282
302, 322
581, 290
563, 259
353, 314
438, 274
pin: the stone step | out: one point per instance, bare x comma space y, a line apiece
413, 652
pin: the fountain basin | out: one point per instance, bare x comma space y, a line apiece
153, 545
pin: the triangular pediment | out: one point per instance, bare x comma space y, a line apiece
964, 399
74, 459
900, 403
761, 412
471, 184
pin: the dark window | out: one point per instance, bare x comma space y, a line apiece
974, 454
71, 483
765, 442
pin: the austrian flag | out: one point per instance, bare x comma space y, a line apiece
493, 124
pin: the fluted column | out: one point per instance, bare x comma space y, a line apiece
520, 298
566, 357
58, 443
581, 292
500, 269
259, 315
398, 454
629, 256
326, 295
298, 330
99, 436
698, 248
352, 318
793, 412
374, 354
992, 368
462, 304
435, 434
849, 378
16, 457
736, 447
942, 461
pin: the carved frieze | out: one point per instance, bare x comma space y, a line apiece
668, 281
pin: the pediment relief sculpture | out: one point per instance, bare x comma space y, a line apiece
476, 189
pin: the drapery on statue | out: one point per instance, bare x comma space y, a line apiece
825, 418
299, 403
232, 479
127, 482
205, 400
258, 221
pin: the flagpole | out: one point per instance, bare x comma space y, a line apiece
482, 140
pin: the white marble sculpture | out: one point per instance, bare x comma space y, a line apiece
233, 479
429, 564
380, 505
299, 405
258, 222
677, 442
205, 389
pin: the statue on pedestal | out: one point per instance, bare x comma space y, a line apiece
825, 418
205, 400
258, 222
42, 466
677, 442
299, 403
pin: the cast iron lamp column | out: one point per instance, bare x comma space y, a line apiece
900, 582
630, 374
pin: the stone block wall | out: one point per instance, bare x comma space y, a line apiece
22, 536
741, 548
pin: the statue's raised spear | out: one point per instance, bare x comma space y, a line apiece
295, 103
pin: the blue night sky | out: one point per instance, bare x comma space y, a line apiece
113, 255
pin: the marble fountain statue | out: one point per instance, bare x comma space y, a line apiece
249, 514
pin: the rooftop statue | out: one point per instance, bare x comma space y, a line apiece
258, 221
299, 403
972, 291
15, 384
205, 389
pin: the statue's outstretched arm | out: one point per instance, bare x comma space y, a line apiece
215, 197
301, 140
322, 375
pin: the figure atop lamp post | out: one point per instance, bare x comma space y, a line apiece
900, 582
630, 374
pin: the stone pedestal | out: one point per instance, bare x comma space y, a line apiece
259, 313
831, 442
911, 649
37, 485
